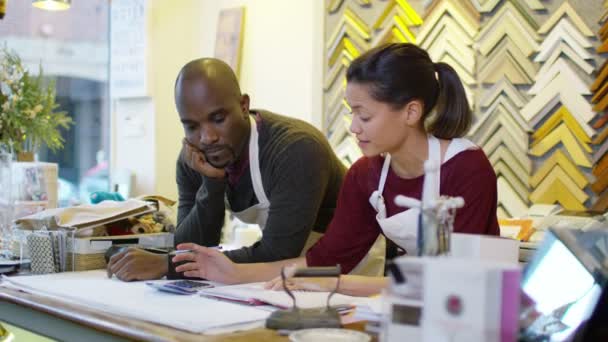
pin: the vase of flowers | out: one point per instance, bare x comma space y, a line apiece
28, 111
6, 209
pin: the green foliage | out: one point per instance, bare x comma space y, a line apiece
28, 112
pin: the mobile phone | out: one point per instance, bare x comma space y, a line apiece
183, 287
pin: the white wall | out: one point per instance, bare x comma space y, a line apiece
134, 128
281, 69
281, 66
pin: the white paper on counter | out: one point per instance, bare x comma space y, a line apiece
136, 300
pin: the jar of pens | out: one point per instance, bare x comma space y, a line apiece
439, 225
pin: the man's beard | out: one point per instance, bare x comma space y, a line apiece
219, 164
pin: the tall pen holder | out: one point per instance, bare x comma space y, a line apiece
435, 223
437, 213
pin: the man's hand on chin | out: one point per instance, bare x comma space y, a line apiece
136, 264
195, 159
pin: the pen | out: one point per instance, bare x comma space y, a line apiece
155, 250
182, 251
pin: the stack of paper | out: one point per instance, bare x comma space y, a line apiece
9, 265
527, 251
136, 300
255, 293
369, 310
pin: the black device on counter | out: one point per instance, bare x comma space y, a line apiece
564, 287
171, 274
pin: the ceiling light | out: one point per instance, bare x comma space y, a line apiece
52, 5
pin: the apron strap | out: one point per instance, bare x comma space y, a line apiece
458, 145
435, 155
376, 200
254, 162
385, 167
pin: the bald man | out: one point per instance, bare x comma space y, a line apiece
267, 169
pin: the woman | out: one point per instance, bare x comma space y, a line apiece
405, 110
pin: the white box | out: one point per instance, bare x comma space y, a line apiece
32, 180
470, 300
484, 247
99, 244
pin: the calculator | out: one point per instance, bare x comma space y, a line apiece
183, 287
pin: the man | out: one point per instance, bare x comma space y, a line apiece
267, 169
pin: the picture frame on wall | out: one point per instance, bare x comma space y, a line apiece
229, 37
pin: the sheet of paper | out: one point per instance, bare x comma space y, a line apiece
305, 300
7, 262
374, 304
136, 300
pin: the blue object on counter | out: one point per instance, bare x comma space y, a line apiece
99, 196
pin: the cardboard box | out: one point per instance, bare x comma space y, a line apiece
88, 253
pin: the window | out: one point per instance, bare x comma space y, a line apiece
72, 48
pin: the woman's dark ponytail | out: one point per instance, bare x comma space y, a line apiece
453, 116
401, 72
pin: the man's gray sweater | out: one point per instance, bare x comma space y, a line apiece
301, 176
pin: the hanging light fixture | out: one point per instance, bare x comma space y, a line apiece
52, 5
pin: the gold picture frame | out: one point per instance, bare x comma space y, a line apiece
229, 37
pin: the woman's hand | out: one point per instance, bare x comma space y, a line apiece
305, 284
208, 263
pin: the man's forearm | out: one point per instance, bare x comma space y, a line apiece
255, 254
205, 216
200, 226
